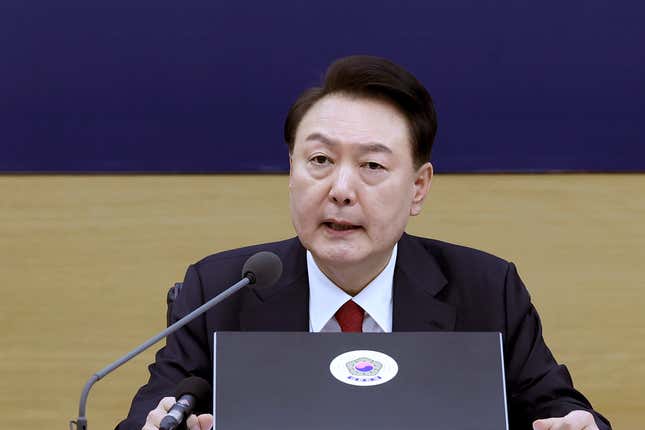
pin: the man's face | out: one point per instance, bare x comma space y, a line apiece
352, 182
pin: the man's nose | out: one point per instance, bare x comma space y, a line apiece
343, 191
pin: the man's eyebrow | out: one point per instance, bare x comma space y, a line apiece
321, 138
363, 147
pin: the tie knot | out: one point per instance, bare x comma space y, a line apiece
350, 317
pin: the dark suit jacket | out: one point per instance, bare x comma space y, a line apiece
437, 286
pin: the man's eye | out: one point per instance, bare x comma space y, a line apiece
320, 159
373, 166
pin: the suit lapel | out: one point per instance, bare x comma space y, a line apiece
418, 279
284, 306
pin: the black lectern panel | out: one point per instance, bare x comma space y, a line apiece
334, 381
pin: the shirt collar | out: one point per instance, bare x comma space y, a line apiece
325, 298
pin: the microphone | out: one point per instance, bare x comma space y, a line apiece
262, 269
192, 394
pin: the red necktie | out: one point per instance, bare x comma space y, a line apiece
350, 317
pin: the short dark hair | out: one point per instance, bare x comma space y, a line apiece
374, 78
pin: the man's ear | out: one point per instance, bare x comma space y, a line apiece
422, 181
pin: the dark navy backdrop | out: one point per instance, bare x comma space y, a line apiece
204, 85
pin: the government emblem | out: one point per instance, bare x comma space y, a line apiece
363, 368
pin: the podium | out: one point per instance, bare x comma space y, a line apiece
343, 381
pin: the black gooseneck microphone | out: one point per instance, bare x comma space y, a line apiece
192, 394
262, 269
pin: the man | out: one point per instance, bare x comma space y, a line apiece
359, 148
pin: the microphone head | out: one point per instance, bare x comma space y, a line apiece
262, 269
200, 389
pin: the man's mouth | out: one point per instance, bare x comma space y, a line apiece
340, 226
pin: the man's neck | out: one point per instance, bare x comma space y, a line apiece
352, 278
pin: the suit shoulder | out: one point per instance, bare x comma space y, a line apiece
226, 257
218, 271
459, 258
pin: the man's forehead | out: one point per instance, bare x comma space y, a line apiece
340, 119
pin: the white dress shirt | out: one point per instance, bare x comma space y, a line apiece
325, 298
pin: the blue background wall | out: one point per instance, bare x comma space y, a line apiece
203, 86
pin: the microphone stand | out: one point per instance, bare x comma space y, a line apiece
81, 421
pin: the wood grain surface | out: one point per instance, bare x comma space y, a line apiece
85, 262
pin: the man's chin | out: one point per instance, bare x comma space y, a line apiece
338, 255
